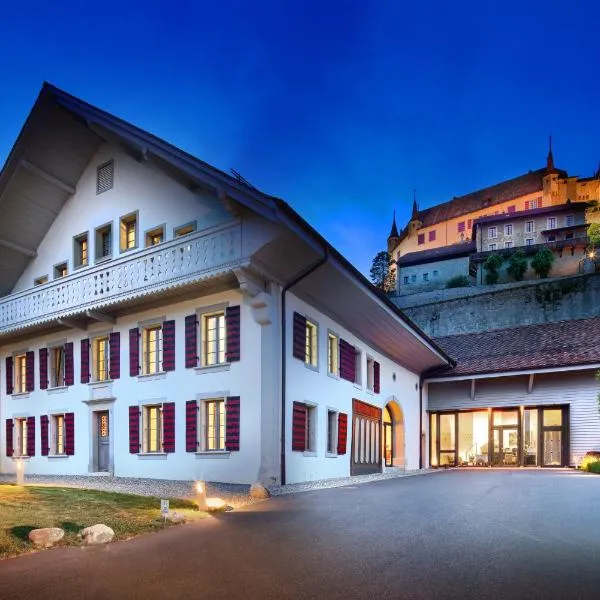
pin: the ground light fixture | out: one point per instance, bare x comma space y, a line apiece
201, 495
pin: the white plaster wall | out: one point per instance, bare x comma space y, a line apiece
304, 384
138, 186
241, 379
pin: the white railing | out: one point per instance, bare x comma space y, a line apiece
180, 261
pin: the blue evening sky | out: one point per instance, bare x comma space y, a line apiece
341, 108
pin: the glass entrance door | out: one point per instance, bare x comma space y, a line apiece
506, 447
552, 448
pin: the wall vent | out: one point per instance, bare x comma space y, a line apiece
105, 177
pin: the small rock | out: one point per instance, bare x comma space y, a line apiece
96, 534
46, 536
176, 517
259, 491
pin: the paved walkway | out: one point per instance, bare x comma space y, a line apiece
457, 535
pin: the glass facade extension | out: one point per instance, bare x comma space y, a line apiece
500, 437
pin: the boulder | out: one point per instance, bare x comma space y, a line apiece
176, 517
46, 536
259, 491
96, 534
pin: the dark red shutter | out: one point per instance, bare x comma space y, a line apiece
9, 436
299, 427
376, 377
30, 371
232, 324
134, 352
70, 434
44, 435
43, 368
134, 429
9, 375
191, 426
114, 341
30, 436
85, 361
299, 350
191, 342
168, 346
347, 361
69, 372
232, 424
527, 205
342, 433
169, 427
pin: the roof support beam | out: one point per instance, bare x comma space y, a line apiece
18, 248
98, 316
530, 383
47, 177
472, 389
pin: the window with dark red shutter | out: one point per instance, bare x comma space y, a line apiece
299, 427
114, 341
69, 434
342, 433
191, 342
191, 426
30, 436
9, 437
420, 238
45, 449
232, 424
9, 375
299, 341
69, 374
347, 361
43, 368
169, 427
134, 429
376, 377
432, 235
169, 346
134, 352
85, 361
233, 340
30, 371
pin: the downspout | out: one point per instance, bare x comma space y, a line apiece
420, 421
305, 273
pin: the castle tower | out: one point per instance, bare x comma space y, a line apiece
394, 237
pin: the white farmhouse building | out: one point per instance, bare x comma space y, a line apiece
159, 318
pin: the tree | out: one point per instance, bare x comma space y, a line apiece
492, 263
381, 275
458, 281
517, 265
594, 234
542, 262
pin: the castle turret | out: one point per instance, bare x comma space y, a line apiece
394, 237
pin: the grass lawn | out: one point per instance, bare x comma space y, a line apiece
25, 508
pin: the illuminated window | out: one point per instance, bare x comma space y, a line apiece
61, 270
20, 372
58, 435
100, 358
152, 437
214, 420
40, 280
311, 349
155, 236
21, 441
152, 349
185, 229
128, 232
213, 339
56, 357
333, 354
80, 255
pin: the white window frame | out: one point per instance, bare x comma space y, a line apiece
492, 232
569, 220
529, 226
20, 373
21, 434
147, 411
529, 241
508, 229
491, 247
311, 344
221, 428
508, 244
312, 417
332, 431
95, 356
146, 351
333, 354
370, 373
204, 318
552, 222
56, 380
57, 422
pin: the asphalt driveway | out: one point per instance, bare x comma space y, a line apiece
485, 534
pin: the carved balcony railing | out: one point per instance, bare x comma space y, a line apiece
181, 261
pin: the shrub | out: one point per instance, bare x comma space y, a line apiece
492, 263
591, 462
458, 281
595, 467
517, 265
542, 262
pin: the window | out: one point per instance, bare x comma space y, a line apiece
310, 430
357, 366
512, 209
331, 432
20, 385
21, 445
333, 354
104, 242
105, 177
491, 247
425, 276
128, 232
152, 349
155, 236
435, 273
100, 358
569, 220
311, 353
461, 226
529, 226
406, 279
81, 251
58, 434
508, 244
508, 229
492, 232
569, 236
184, 229
60, 270
213, 339
152, 436
56, 356
529, 242
214, 419
432, 236
551, 222
413, 278
470, 224
370, 374
421, 238
40, 280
